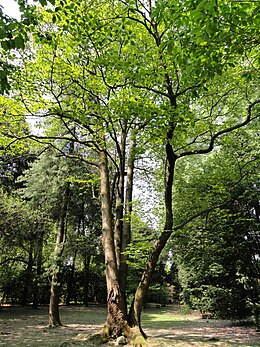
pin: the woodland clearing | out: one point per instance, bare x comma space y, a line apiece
170, 326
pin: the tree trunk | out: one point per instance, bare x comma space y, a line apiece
71, 279
39, 267
137, 304
27, 277
54, 315
120, 187
126, 235
116, 323
87, 259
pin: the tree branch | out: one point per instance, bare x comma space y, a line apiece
159, 92
210, 147
198, 214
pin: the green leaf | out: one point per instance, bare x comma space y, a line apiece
170, 46
2, 74
43, 2
4, 85
19, 42
5, 45
3, 33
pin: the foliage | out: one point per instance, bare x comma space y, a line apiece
218, 253
22, 228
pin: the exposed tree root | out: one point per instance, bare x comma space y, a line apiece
131, 337
136, 338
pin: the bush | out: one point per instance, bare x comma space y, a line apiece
159, 294
218, 302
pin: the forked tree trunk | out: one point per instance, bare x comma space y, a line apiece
116, 323
54, 313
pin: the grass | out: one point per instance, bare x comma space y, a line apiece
165, 327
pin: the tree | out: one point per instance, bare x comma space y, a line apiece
53, 184
23, 231
153, 69
14, 35
217, 254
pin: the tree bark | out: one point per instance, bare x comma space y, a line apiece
126, 233
116, 323
119, 209
54, 314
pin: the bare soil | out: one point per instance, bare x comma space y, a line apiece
165, 327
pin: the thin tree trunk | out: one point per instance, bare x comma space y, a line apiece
87, 259
71, 279
39, 268
54, 314
120, 187
27, 277
126, 235
137, 304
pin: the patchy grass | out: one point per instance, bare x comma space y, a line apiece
169, 327
165, 327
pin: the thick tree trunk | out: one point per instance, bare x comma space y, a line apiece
116, 323
54, 315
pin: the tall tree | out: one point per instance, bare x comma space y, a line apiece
181, 72
225, 241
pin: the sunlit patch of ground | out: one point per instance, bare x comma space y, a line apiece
165, 327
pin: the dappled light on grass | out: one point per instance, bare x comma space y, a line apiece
169, 327
165, 327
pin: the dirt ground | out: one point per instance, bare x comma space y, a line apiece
165, 327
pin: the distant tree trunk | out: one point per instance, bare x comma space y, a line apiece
116, 323
27, 277
87, 259
54, 314
71, 279
38, 269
